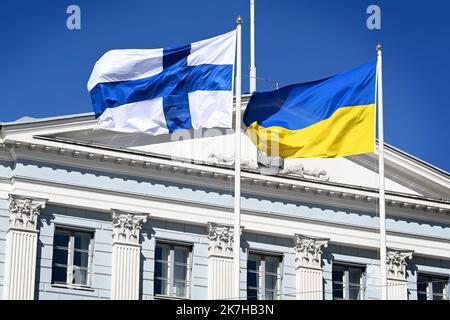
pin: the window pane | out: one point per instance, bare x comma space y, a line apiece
438, 297
180, 272
161, 270
438, 288
81, 259
421, 296
422, 286
179, 289
269, 295
59, 274
252, 294
171, 270
82, 241
251, 265
61, 240
271, 282
354, 293
60, 256
272, 265
338, 290
162, 253
354, 276
338, 275
160, 286
79, 276
181, 256
252, 279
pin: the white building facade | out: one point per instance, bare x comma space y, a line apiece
99, 215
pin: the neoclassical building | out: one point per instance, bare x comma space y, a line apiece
89, 214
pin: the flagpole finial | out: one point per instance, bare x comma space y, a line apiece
239, 20
379, 47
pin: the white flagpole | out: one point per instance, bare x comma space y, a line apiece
237, 166
383, 277
252, 47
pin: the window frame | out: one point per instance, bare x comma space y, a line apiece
261, 275
345, 268
430, 279
70, 266
171, 246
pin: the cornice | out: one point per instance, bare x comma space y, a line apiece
287, 184
203, 205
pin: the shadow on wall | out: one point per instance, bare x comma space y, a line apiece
47, 218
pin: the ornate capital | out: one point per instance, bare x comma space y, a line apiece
309, 251
127, 226
221, 239
24, 211
396, 263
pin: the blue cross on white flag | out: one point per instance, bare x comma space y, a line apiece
158, 91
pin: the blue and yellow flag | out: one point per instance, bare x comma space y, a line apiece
329, 118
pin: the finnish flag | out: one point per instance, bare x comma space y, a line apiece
159, 91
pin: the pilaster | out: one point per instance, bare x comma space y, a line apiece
21, 245
309, 272
126, 251
396, 273
220, 261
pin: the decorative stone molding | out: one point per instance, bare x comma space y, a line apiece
21, 247
127, 226
400, 201
126, 251
24, 211
221, 239
220, 261
301, 171
396, 263
309, 273
309, 251
229, 160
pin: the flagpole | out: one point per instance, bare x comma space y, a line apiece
252, 47
237, 166
383, 277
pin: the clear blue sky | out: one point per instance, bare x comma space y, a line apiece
45, 66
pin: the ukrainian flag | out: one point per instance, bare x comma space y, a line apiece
329, 118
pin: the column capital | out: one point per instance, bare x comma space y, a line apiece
309, 251
221, 239
396, 263
127, 226
24, 210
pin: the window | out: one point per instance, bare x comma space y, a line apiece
432, 288
348, 282
263, 277
172, 270
72, 257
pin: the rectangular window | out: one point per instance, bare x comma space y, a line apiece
432, 288
72, 257
348, 282
172, 270
263, 277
